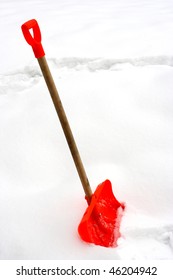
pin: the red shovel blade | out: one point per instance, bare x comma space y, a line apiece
101, 221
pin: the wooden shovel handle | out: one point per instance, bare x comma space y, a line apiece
36, 42
65, 125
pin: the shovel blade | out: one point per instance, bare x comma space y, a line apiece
101, 221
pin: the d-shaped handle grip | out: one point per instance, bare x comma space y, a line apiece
33, 40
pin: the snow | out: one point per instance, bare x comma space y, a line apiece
112, 63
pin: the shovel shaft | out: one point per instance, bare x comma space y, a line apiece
65, 125
34, 40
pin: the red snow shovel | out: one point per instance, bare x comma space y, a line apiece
100, 223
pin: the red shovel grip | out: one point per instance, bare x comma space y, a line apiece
35, 40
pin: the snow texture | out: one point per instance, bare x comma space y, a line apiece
112, 62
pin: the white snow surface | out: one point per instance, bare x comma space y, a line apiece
112, 62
